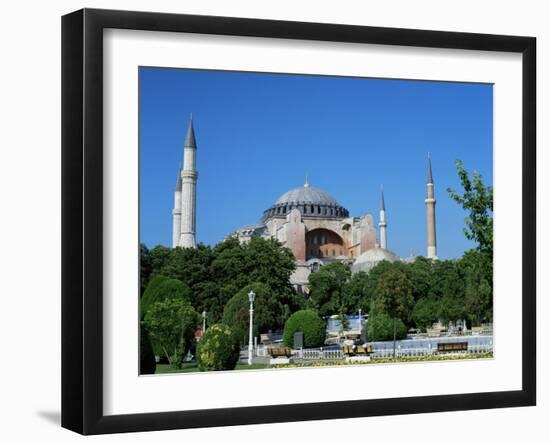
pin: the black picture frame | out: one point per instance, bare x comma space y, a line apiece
82, 215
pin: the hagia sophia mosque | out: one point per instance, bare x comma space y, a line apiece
308, 221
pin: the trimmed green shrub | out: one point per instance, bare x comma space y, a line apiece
308, 322
380, 327
147, 362
162, 288
218, 349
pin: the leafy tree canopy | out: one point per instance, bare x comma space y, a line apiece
380, 327
477, 201
394, 294
357, 293
163, 288
426, 311
171, 324
269, 311
327, 289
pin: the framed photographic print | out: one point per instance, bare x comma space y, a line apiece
269, 221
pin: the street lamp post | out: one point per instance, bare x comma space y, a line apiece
251, 297
203, 322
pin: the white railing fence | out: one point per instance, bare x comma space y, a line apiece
337, 354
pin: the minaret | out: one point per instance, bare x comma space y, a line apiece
189, 177
382, 224
430, 212
176, 213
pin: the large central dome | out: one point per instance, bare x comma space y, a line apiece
310, 201
307, 194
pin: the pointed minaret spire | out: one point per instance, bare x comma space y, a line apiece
382, 224
430, 213
190, 141
306, 184
189, 177
430, 178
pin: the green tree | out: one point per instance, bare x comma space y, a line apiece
448, 288
420, 273
381, 327
477, 268
151, 262
327, 290
190, 265
477, 201
425, 312
257, 261
357, 293
269, 311
376, 273
147, 362
308, 322
162, 288
394, 298
171, 324
209, 297
218, 349
145, 267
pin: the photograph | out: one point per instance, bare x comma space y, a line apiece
295, 221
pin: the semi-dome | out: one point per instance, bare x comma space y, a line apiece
369, 259
310, 201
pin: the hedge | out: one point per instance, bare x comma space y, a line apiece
308, 322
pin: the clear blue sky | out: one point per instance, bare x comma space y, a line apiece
258, 135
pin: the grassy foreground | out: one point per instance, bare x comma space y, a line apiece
192, 367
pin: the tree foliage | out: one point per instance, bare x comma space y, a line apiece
218, 349
380, 327
477, 268
335, 290
269, 311
147, 362
327, 289
357, 293
171, 324
477, 201
426, 312
394, 295
163, 288
217, 274
308, 322
394, 298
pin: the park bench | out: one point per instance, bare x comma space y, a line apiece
279, 352
452, 347
357, 349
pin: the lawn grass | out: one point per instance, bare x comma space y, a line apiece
192, 367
